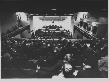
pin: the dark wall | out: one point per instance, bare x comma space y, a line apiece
7, 21
102, 31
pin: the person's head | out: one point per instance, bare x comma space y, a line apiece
68, 57
67, 67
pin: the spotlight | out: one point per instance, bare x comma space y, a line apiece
31, 14
53, 9
36, 14
71, 14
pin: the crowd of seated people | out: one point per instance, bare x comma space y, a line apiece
87, 26
46, 58
53, 27
50, 34
22, 57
